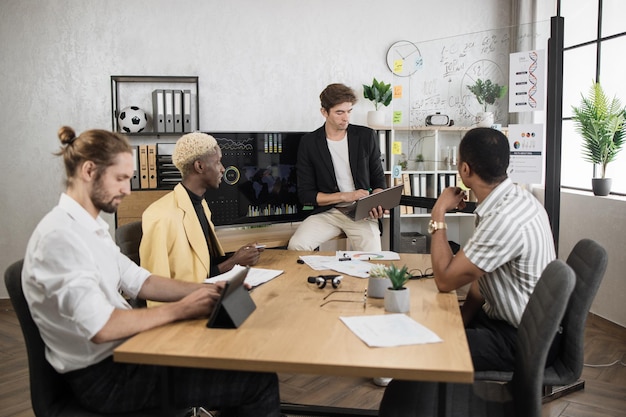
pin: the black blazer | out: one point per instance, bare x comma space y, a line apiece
315, 167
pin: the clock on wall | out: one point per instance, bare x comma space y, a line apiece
404, 58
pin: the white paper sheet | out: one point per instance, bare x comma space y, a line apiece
390, 330
317, 262
256, 276
384, 255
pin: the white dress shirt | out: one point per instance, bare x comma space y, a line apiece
72, 277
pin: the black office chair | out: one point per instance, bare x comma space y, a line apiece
128, 237
589, 260
519, 397
50, 395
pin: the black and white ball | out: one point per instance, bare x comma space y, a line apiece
132, 119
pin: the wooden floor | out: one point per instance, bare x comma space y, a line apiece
604, 394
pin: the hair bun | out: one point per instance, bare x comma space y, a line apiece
66, 135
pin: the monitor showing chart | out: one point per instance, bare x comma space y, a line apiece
259, 184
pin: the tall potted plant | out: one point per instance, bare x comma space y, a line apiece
380, 94
486, 92
600, 121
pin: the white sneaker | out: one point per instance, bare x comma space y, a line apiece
382, 382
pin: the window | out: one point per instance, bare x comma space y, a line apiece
591, 55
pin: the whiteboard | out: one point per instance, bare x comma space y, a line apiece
449, 65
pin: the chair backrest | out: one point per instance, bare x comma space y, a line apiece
540, 323
49, 392
128, 238
589, 260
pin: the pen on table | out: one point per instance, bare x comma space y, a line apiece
345, 259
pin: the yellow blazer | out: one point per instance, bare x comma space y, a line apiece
173, 244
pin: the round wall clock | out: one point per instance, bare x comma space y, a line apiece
404, 58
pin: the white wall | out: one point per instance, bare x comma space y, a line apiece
601, 219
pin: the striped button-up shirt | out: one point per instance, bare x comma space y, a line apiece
513, 244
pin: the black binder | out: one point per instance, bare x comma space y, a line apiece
234, 305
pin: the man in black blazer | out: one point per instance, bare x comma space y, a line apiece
338, 163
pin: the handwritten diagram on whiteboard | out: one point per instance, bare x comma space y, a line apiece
449, 65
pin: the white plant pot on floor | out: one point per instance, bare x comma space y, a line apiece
397, 301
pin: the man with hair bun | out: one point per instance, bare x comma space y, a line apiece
72, 277
179, 239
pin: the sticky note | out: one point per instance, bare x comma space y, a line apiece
397, 91
397, 116
396, 148
397, 65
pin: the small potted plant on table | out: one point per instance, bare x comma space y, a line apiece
378, 281
398, 297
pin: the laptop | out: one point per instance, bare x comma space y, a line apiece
360, 209
234, 305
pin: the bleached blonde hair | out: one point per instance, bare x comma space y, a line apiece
191, 147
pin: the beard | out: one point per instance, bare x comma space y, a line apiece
101, 200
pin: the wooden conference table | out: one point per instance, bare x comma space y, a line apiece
290, 332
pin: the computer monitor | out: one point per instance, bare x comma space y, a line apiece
259, 184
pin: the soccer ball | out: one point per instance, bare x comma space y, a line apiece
132, 119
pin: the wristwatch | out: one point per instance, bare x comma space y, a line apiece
433, 226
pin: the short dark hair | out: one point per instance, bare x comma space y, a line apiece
336, 94
486, 151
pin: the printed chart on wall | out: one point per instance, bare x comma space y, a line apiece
449, 65
526, 157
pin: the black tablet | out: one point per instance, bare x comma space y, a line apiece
234, 305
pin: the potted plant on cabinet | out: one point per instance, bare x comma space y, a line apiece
600, 122
419, 161
380, 94
486, 92
397, 297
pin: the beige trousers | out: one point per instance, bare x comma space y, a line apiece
363, 235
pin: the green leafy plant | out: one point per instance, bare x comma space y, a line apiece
487, 92
398, 277
378, 93
600, 122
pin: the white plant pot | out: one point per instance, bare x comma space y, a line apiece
485, 119
397, 301
376, 118
376, 286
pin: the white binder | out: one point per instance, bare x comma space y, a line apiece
178, 111
187, 127
169, 110
158, 112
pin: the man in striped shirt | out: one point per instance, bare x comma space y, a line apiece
503, 260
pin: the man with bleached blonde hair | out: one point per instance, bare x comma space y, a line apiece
179, 239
